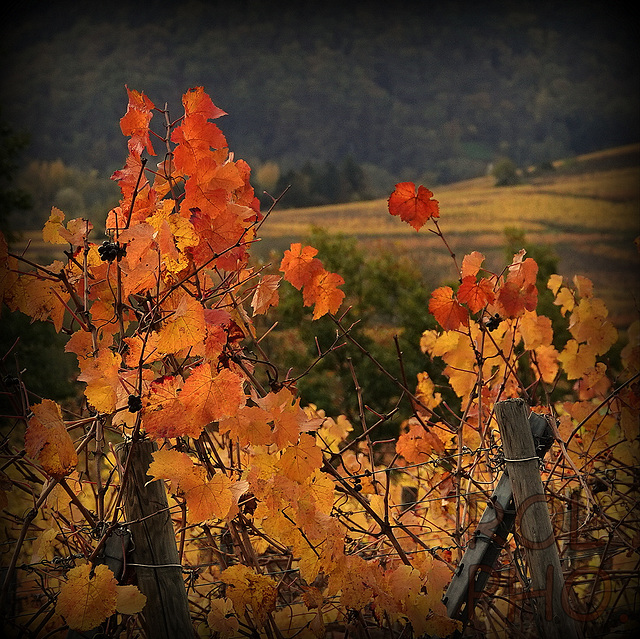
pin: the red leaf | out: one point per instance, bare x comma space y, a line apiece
135, 122
323, 291
413, 208
197, 102
300, 265
475, 295
447, 310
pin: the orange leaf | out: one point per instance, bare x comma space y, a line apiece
413, 208
286, 414
176, 467
249, 426
471, 264
209, 500
101, 375
48, 441
299, 462
266, 294
514, 298
197, 102
447, 310
206, 499
184, 327
300, 265
87, 599
323, 291
207, 397
418, 444
475, 295
135, 122
195, 137
547, 360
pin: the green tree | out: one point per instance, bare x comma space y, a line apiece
388, 296
12, 198
505, 172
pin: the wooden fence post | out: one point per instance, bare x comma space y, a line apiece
534, 523
155, 553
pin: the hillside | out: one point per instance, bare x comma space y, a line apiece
402, 89
587, 211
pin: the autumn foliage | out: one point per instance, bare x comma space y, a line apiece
290, 520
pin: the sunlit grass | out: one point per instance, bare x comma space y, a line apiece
588, 217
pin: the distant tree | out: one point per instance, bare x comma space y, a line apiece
505, 172
12, 199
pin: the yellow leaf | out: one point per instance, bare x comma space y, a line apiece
221, 618
101, 375
52, 227
48, 441
248, 590
300, 461
576, 359
86, 600
565, 300
554, 283
184, 327
536, 330
129, 600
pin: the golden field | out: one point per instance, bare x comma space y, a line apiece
587, 211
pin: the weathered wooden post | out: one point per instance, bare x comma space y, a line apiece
155, 553
534, 523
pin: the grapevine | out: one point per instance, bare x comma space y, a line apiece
290, 521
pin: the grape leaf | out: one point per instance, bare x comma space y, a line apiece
221, 618
249, 426
129, 600
163, 414
475, 294
576, 359
208, 397
471, 264
323, 293
250, 592
300, 461
300, 265
101, 375
210, 499
184, 326
48, 441
413, 208
206, 498
197, 102
536, 330
53, 226
266, 294
87, 597
418, 444
447, 310
135, 122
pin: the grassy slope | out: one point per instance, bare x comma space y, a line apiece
587, 211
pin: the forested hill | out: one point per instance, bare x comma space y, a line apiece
432, 90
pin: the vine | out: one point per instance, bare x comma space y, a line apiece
290, 520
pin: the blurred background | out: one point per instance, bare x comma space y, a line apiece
341, 100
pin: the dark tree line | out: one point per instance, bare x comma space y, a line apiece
407, 90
